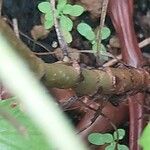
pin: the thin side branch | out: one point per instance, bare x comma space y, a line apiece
102, 21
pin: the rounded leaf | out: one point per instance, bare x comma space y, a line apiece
66, 23
48, 24
73, 10
102, 51
122, 147
67, 36
45, 7
86, 31
121, 134
49, 16
108, 138
96, 139
102, 47
105, 33
112, 146
61, 4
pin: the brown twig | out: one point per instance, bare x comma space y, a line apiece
29, 38
37, 43
15, 27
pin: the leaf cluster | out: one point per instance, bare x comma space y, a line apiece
63, 9
86, 31
109, 139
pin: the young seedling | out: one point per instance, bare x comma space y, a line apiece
63, 9
110, 139
86, 31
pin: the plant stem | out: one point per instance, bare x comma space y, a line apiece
61, 40
102, 21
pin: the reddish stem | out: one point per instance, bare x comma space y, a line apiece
121, 15
121, 12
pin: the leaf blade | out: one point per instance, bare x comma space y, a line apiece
105, 33
61, 4
66, 23
45, 7
86, 31
121, 134
73, 10
10, 137
96, 139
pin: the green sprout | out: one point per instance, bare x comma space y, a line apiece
110, 139
86, 31
63, 9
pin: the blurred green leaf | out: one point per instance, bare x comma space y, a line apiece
66, 23
121, 134
67, 35
45, 7
111, 146
102, 51
122, 147
108, 138
48, 24
73, 10
145, 138
105, 33
61, 4
10, 138
96, 139
86, 31
94, 47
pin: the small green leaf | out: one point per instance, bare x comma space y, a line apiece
121, 134
96, 139
102, 47
66, 23
122, 147
86, 31
112, 146
105, 33
45, 7
145, 138
73, 10
48, 24
61, 4
49, 21
67, 9
102, 51
48, 16
108, 138
67, 35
